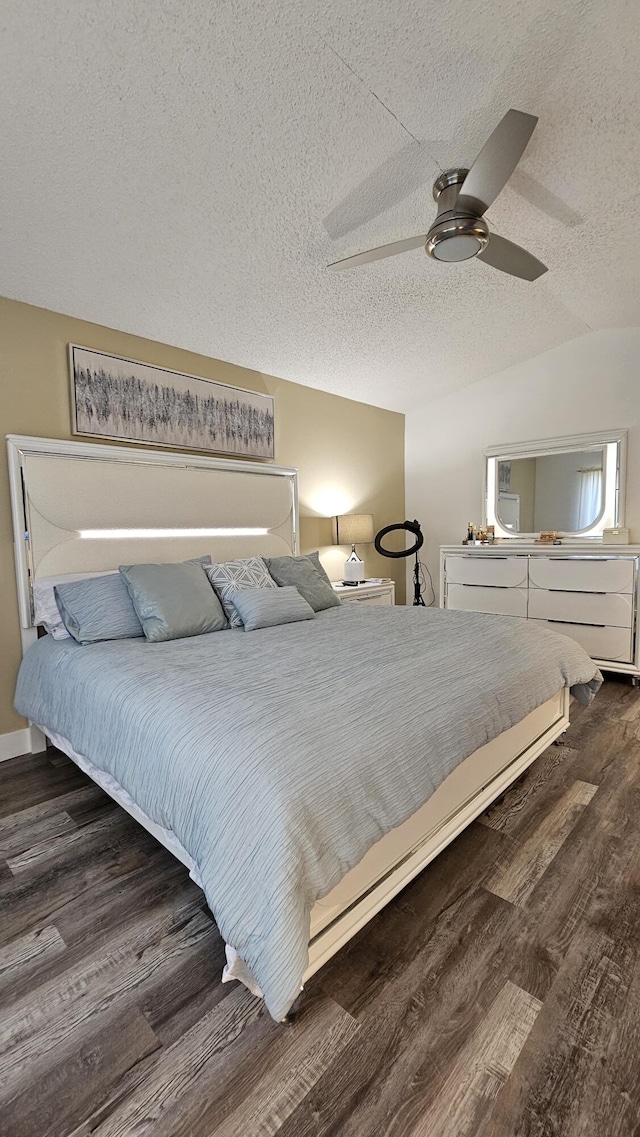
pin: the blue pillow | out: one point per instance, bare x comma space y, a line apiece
266, 607
302, 573
173, 601
318, 566
99, 608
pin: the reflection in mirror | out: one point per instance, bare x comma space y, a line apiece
573, 486
563, 492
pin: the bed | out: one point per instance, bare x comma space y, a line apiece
303, 773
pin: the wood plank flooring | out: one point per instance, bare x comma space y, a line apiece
497, 996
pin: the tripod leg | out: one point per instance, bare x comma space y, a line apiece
417, 591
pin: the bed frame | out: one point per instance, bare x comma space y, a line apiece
81, 507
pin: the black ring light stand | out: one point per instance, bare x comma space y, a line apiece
410, 527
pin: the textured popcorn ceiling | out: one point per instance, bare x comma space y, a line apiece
185, 171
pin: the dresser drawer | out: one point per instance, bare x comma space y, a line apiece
496, 572
613, 608
582, 574
497, 601
384, 599
600, 643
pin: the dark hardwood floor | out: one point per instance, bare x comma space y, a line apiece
497, 996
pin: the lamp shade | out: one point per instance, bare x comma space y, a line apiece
353, 529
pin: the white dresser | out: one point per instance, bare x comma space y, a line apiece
587, 592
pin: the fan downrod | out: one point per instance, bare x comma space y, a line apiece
444, 182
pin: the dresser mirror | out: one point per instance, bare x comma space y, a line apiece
571, 486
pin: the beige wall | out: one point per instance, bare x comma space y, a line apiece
350, 455
523, 481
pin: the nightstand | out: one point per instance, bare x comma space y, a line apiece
383, 593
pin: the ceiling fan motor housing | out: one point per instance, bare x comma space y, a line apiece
456, 235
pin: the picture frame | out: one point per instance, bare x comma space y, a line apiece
504, 476
126, 400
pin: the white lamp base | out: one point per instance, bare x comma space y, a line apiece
353, 567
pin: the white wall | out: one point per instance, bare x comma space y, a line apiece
588, 384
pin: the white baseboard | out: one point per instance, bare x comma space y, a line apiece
15, 743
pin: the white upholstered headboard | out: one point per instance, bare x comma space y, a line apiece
79, 507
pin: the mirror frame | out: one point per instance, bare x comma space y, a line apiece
613, 442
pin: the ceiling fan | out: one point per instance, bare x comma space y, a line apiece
463, 196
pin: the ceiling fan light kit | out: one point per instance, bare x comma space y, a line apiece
459, 231
457, 239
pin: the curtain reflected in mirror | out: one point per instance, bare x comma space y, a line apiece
561, 492
589, 496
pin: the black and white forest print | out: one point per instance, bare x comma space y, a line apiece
136, 402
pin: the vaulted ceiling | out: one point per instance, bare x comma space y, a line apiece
186, 171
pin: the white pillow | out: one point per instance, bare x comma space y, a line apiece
46, 611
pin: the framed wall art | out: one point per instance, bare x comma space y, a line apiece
128, 401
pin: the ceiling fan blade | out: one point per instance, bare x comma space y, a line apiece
382, 251
496, 161
510, 258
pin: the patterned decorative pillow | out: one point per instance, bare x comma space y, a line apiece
230, 576
268, 607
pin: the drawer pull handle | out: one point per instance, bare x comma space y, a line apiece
483, 586
472, 557
576, 592
575, 624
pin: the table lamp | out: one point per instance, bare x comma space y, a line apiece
352, 529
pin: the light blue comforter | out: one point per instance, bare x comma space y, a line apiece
278, 757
